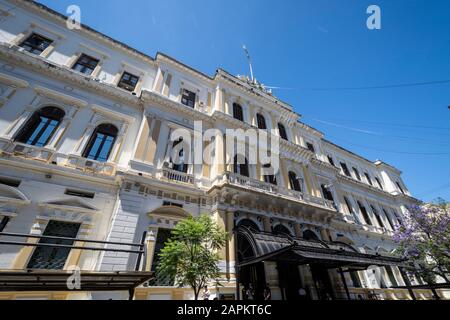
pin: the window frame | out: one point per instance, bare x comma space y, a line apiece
310, 147
85, 66
380, 185
33, 47
345, 170
269, 178
191, 94
238, 111
35, 127
296, 180
364, 213
127, 84
368, 178
4, 220
282, 131
260, 119
331, 160
356, 172
92, 141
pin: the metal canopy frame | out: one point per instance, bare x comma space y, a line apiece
330, 255
272, 247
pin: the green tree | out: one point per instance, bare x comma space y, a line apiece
190, 256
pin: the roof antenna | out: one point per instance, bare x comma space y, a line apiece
249, 61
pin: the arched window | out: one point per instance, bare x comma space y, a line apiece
261, 121
294, 182
249, 224
239, 167
282, 131
180, 163
309, 235
269, 178
41, 126
280, 229
237, 112
101, 142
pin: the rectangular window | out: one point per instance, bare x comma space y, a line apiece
399, 220
349, 206
364, 213
368, 178
391, 276
3, 222
36, 43
330, 160
327, 193
345, 169
54, 257
169, 203
355, 279
310, 147
161, 239
128, 81
350, 210
78, 193
10, 182
357, 173
379, 183
188, 98
238, 112
400, 187
388, 217
377, 216
85, 64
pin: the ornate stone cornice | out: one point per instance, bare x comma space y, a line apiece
15, 55
150, 97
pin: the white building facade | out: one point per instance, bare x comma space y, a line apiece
85, 153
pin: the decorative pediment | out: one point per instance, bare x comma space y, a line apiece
170, 212
70, 205
12, 195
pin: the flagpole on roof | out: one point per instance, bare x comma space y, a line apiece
249, 61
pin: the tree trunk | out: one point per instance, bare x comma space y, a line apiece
196, 292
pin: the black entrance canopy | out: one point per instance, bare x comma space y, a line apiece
270, 247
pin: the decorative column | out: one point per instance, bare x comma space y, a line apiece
231, 245
87, 134
266, 224
150, 242
60, 131
19, 123
119, 140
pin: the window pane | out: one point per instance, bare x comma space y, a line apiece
39, 128
95, 146
36, 44
46, 134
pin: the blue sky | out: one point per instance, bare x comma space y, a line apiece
316, 48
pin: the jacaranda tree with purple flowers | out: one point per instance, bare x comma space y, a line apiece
424, 239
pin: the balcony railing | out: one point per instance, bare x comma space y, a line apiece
241, 180
173, 175
248, 182
22, 150
91, 166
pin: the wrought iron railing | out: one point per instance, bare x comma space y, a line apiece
138, 248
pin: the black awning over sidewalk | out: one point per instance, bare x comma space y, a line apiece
270, 247
57, 280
